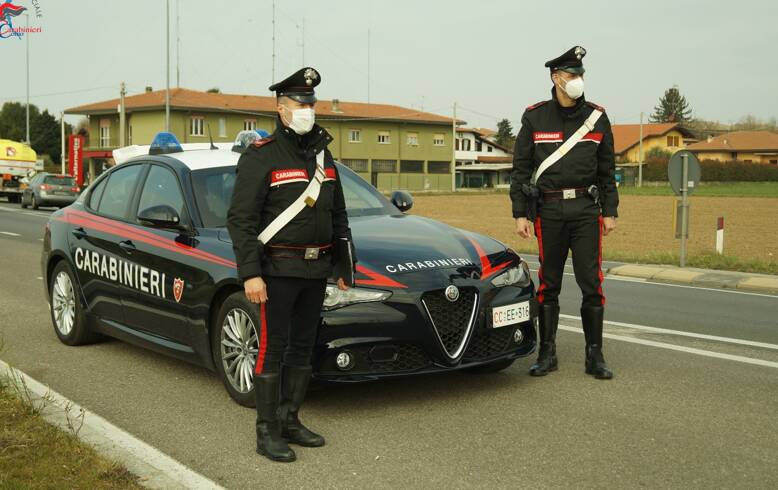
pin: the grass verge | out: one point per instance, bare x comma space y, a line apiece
36, 454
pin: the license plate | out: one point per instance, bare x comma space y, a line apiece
510, 314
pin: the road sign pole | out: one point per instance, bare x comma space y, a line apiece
684, 208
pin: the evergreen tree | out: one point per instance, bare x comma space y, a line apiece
672, 108
505, 136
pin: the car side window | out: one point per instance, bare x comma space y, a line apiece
118, 191
97, 193
161, 188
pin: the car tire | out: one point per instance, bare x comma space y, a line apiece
33, 202
67, 312
492, 367
239, 346
21, 202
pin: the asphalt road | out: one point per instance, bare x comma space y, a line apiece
692, 405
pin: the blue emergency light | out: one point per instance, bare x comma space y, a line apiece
163, 143
262, 133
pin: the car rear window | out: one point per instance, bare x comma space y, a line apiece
59, 180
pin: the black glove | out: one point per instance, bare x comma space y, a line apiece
344, 260
531, 195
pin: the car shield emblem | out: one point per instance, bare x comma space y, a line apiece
452, 293
178, 289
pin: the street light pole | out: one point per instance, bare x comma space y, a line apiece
167, 66
640, 164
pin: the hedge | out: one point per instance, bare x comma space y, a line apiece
716, 171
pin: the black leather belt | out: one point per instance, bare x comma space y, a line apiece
298, 252
563, 194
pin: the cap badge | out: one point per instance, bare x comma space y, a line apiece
310, 75
579, 52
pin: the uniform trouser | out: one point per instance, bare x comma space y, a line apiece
289, 321
582, 236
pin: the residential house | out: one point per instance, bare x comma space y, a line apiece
670, 137
741, 146
390, 146
481, 161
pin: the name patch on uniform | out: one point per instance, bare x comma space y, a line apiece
595, 137
547, 137
286, 176
125, 273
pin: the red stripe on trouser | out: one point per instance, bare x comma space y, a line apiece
539, 234
599, 264
262, 340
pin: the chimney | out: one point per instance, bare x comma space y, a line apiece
336, 105
710, 138
148, 89
725, 142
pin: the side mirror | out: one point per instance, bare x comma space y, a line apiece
162, 216
402, 200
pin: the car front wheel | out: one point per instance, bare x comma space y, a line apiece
33, 202
235, 344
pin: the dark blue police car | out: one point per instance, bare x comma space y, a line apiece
144, 256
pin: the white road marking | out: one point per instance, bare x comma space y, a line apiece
688, 350
157, 469
21, 211
682, 333
9, 233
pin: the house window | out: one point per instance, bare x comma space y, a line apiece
222, 127
356, 165
413, 139
673, 141
412, 166
196, 126
775, 162
488, 148
456, 144
384, 166
355, 136
478, 146
438, 139
105, 133
439, 167
249, 125
744, 161
384, 137
466, 145
129, 134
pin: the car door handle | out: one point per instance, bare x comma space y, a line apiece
79, 233
127, 246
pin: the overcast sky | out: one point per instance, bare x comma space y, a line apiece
487, 56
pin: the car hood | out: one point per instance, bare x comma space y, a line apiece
401, 250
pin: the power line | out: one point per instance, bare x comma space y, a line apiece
61, 93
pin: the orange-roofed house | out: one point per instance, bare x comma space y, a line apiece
742, 146
390, 146
669, 137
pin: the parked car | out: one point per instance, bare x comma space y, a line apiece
47, 189
144, 256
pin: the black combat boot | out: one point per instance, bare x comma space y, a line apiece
592, 317
294, 384
269, 441
548, 321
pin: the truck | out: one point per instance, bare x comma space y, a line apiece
17, 161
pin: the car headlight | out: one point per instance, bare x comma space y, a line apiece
335, 298
515, 276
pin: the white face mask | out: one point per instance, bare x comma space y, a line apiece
302, 120
574, 88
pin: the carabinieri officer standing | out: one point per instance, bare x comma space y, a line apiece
568, 144
290, 233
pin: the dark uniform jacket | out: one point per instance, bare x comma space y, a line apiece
272, 174
544, 126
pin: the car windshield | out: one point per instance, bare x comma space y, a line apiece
213, 192
58, 180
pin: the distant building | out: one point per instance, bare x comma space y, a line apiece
670, 137
390, 146
741, 146
481, 161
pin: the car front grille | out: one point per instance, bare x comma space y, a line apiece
489, 342
452, 320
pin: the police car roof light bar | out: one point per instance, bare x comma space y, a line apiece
163, 143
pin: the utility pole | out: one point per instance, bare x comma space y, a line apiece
640, 164
62, 141
454, 150
368, 66
273, 72
122, 117
178, 47
167, 66
27, 40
